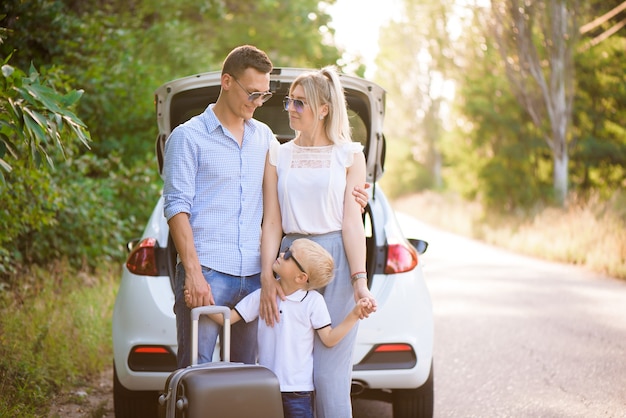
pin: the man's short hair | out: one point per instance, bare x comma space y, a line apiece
244, 57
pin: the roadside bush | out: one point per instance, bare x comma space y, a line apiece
84, 212
57, 203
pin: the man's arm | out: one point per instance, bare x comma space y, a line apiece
199, 290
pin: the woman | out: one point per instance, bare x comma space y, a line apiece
307, 193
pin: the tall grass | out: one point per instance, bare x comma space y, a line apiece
591, 232
54, 334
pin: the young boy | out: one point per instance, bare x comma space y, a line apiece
287, 347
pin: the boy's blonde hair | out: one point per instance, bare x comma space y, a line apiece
317, 262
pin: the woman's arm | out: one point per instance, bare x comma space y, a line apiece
271, 235
353, 231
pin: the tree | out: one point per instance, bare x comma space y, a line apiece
537, 41
598, 159
414, 65
118, 52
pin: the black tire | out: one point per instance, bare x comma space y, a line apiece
133, 404
415, 403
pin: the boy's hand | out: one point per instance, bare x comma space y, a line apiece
363, 308
362, 292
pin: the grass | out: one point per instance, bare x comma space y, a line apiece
590, 233
54, 334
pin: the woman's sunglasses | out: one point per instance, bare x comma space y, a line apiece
288, 254
297, 104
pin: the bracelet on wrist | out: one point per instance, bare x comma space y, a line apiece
357, 276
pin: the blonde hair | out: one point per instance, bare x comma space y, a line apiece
317, 262
323, 87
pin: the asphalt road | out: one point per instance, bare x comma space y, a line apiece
519, 337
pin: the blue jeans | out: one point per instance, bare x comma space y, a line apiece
227, 291
297, 404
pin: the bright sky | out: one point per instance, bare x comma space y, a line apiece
357, 23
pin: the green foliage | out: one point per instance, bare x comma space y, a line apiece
598, 160
494, 154
84, 212
92, 220
55, 332
84, 208
119, 53
35, 119
489, 148
404, 175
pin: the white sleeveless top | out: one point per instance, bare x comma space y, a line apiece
311, 185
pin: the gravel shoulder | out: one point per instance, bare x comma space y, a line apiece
94, 399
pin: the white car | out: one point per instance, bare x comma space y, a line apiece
393, 358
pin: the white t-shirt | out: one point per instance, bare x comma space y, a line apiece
312, 184
287, 347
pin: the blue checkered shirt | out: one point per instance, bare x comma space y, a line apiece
220, 185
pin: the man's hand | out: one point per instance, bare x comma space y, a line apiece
361, 196
197, 292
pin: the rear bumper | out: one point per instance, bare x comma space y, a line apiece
144, 332
393, 350
394, 346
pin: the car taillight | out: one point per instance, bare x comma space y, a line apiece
392, 348
401, 257
388, 357
151, 358
142, 259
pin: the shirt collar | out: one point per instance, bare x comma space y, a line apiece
298, 295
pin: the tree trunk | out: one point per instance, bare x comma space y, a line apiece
542, 79
560, 177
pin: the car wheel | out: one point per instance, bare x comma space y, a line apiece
133, 404
415, 403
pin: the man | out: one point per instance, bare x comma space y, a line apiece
213, 202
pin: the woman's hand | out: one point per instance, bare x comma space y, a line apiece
268, 309
362, 292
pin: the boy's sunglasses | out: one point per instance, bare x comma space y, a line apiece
263, 95
288, 254
297, 104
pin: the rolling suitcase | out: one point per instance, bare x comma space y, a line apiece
222, 389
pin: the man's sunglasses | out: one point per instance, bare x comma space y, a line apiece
297, 104
288, 254
263, 95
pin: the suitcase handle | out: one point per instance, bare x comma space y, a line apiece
195, 317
